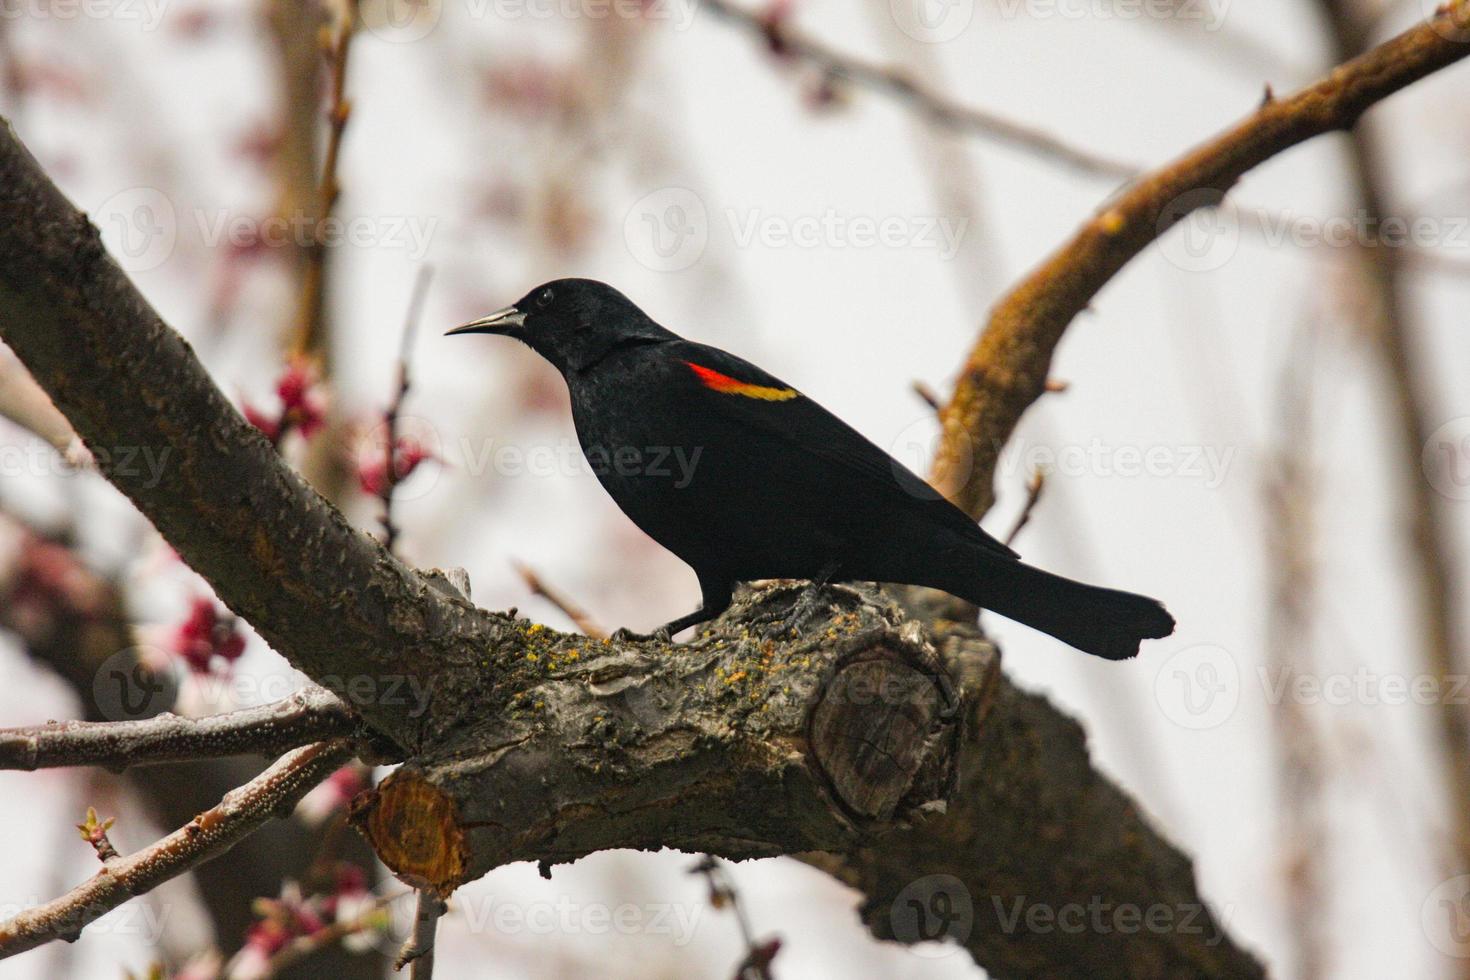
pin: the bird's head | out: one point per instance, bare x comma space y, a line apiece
570, 322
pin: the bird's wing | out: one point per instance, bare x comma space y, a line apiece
770, 405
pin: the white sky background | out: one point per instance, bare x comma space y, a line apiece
1170, 357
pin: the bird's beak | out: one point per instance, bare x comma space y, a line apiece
506, 322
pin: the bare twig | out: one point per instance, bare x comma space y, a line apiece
1432, 527
240, 813
1291, 497
756, 964
927, 394
391, 464
303, 947
934, 106
1007, 369
1034, 486
570, 609
309, 715
311, 316
419, 949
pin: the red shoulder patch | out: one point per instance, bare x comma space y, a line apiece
726, 385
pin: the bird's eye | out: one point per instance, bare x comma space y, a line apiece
544, 300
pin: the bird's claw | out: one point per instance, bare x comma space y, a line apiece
625, 635
798, 615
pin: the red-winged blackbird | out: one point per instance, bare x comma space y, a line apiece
743, 477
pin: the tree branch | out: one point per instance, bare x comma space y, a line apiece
935, 106
272, 794
1007, 369
306, 716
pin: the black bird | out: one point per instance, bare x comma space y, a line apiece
744, 477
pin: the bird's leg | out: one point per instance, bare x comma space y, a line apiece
716, 599
805, 605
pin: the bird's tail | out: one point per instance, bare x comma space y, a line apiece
1103, 622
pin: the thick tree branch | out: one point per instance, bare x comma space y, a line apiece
307, 716
935, 106
320, 591
1007, 369
272, 794
948, 796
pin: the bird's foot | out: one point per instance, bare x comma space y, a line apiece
806, 606
625, 635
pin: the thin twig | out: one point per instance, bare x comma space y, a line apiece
302, 947
419, 949
311, 319
570, 609
1291, 499
927, 394
391, 475
1034, 486
309, 715
756, 965
207, 836
934, 106
1433, 529
1007, 368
